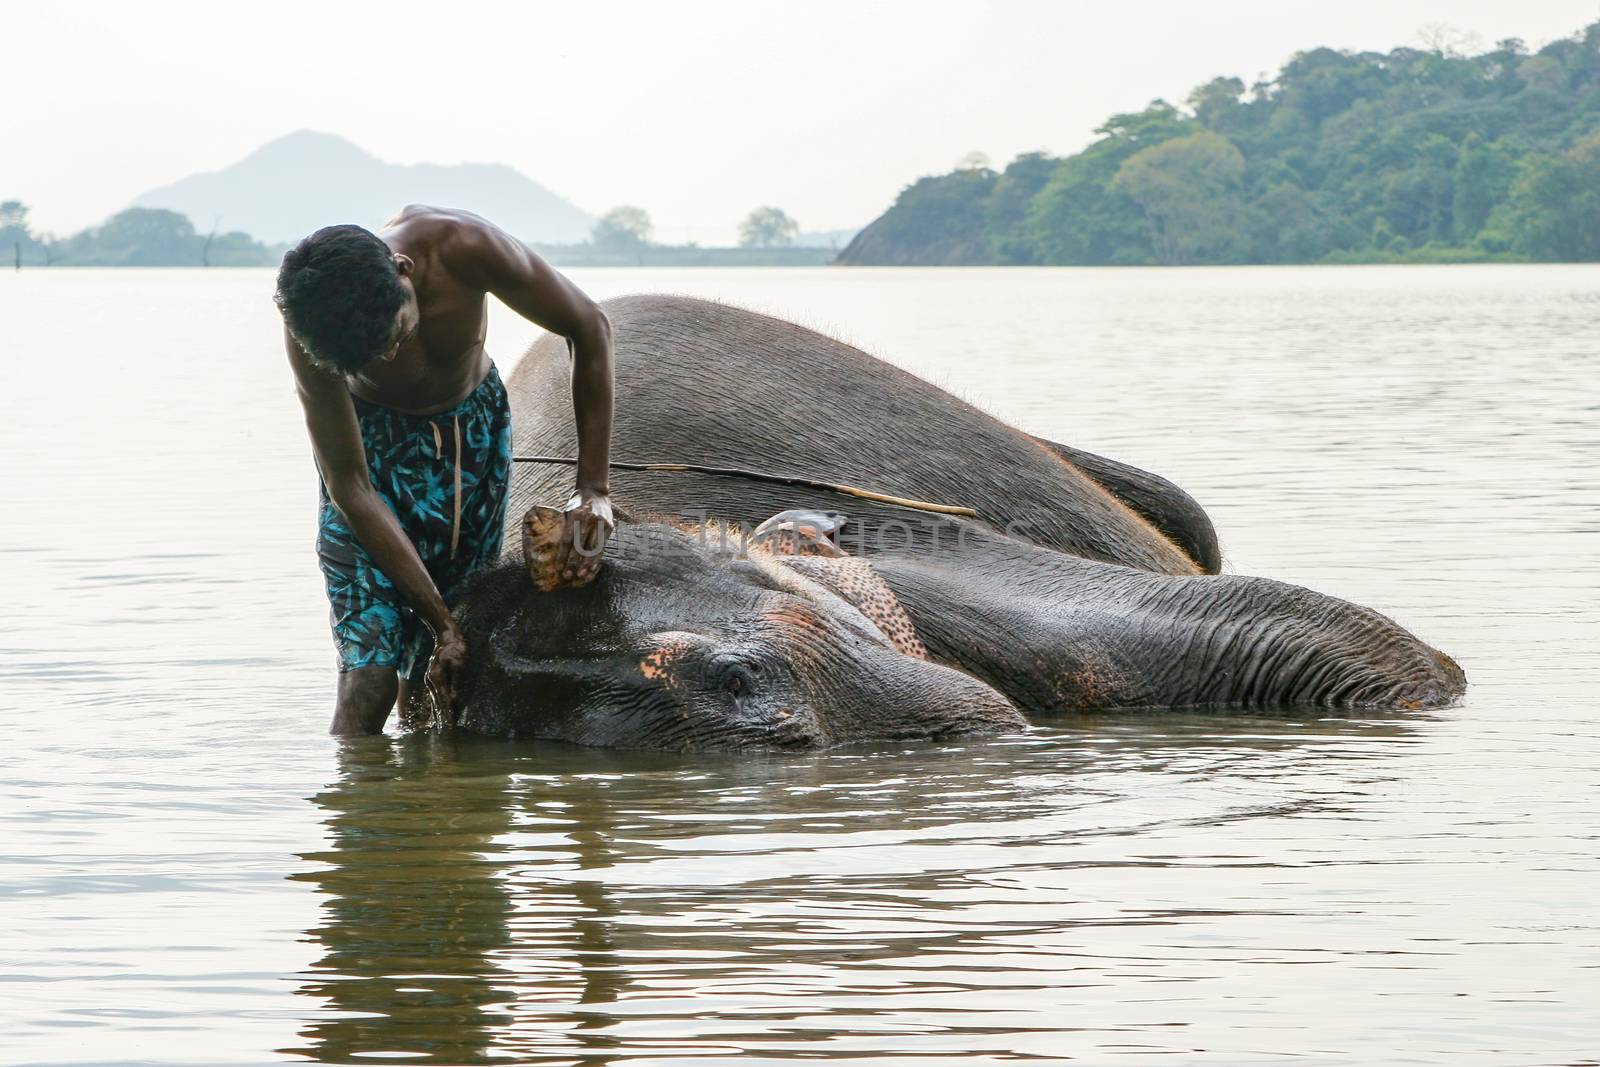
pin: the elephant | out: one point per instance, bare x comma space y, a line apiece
1080, 584
680, 643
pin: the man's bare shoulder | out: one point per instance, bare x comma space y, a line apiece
426, 224
462, 241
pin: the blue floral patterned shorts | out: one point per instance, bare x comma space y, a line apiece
445, 477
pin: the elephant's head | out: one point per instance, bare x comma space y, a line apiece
681, 643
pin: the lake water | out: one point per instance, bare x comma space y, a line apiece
192, 872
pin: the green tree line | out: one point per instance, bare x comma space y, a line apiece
149, 237
137, 237
1416, 155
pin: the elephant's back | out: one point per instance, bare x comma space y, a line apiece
705, 383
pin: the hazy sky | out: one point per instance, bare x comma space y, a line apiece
696, 110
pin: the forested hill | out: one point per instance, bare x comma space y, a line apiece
1413, 155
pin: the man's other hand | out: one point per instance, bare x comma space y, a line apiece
444, 671
588, 522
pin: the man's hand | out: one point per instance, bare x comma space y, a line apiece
444, 670
588, 522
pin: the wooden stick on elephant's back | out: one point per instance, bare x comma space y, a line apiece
776, 479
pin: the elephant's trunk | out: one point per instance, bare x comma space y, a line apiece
1246, 642
1054, 632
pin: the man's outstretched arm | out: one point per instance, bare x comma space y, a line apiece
483, 254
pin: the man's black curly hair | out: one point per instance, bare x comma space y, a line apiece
339, 292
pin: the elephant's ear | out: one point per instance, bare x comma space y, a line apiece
854, 581
552, 560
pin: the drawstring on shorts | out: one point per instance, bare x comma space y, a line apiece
438, 450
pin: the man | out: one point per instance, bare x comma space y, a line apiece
410, 427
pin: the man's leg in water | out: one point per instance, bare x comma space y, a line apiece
370, 628
366, 694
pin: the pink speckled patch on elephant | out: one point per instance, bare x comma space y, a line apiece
854, 580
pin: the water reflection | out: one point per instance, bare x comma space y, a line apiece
486, 901
413, 912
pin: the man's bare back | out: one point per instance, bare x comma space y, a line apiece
397, 322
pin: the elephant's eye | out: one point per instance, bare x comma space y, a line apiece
735, 676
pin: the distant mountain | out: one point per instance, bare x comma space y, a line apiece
291, 186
